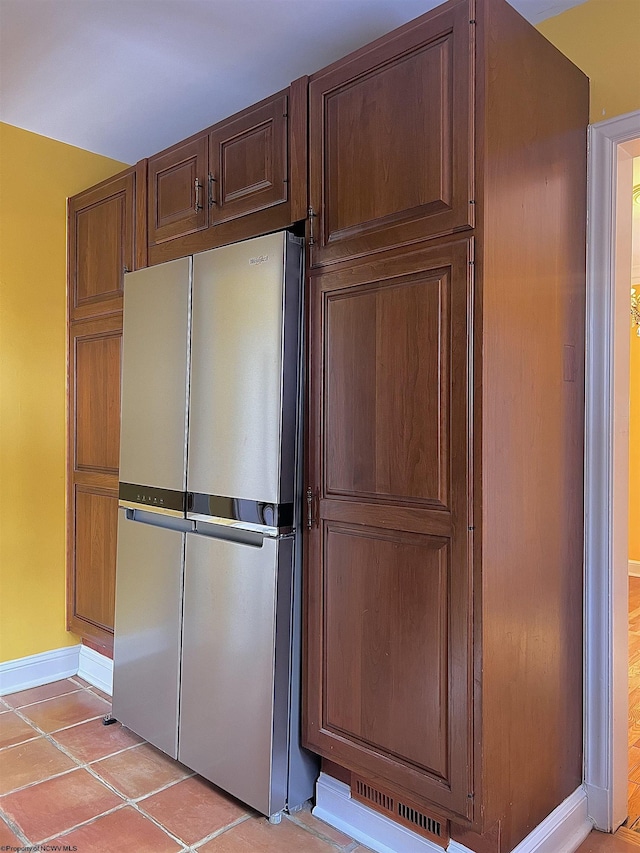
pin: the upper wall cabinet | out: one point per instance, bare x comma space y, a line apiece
244, 176
177, 178
391, 144
101, 245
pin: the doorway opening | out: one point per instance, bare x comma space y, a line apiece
614, 145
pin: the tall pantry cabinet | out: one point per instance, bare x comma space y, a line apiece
106, 236
445, 418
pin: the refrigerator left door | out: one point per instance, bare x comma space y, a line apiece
155, 384
146, 655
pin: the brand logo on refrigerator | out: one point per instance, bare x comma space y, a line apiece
261, 259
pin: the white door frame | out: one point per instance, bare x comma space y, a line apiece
613, 143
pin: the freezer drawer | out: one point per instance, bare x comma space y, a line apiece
146, 655
236, 667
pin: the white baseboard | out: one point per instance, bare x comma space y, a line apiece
561, 832
95, 668
634, 568
34, 670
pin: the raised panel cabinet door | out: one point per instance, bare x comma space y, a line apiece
92, 477
388, 556
101, 245
94, 556
248, 161
390, 134
177, 190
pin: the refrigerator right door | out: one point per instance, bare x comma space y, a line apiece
243, 374
234, 701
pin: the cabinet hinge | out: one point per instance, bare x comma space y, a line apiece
311, 521
312, 216
212, 198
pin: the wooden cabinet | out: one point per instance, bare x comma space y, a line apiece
177, 184
103, 243
389, 558
443, 565
390, 136
233, 180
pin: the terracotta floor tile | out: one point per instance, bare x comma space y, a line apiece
37, 694
305, 817
124, 830
257, 835
91, 741
7, 837
81, 681
57, 805
140, 770
30, 762
54, 714
101, 694
193, 809
14, 730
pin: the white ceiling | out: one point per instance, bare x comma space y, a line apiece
126, 78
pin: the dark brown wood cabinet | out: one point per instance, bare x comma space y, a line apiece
443, 566
177, 187
104, 230
233, 180
445, 400
391, 139
388, 560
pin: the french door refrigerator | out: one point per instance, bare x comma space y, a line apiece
207, 624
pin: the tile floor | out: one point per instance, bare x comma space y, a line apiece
65, 779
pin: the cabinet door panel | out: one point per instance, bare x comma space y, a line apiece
390, 140
94, 555
101, 245
388, 559
387, 376
248, 161
97, 401
177, 204
94, 442
386, 604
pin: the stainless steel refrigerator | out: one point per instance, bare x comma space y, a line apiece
207, 625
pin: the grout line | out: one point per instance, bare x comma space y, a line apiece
318, 833
49, 838
17, 831
206, 838
48, 699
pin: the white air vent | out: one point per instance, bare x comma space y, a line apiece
395, 807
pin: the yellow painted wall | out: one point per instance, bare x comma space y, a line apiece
601, 38
36, 176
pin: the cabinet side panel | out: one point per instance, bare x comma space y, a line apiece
533, 271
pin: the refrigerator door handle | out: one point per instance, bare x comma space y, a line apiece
235, 524
156, 510
221, 529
